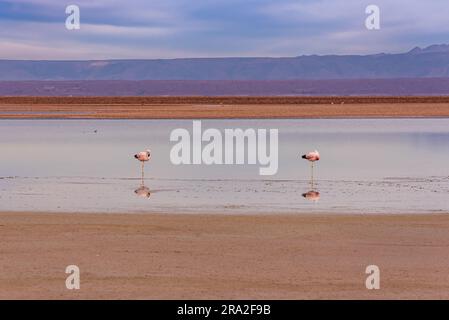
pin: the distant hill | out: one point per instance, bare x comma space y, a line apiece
430, 62
342, 87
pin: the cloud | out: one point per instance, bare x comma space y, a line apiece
34, 29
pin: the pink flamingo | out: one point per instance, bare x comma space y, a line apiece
143, 156
312, 156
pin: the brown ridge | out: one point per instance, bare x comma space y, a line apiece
221, 107
224, 100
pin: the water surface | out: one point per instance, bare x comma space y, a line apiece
367, 165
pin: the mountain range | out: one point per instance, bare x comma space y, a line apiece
341, 87
430, 62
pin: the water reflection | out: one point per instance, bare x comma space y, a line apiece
405, 183
312, 195
143, 192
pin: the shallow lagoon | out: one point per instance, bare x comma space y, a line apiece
367, 165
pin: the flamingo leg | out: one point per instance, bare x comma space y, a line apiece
142, 173
312, 175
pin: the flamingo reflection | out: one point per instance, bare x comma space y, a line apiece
143, 192
312, 195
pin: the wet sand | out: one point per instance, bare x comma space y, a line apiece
221, 107
165, 256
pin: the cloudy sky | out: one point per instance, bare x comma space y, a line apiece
35, 29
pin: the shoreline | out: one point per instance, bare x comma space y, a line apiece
222, 107
249, 214
172, 256
170, 112
224, 118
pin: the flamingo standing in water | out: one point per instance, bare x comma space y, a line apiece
143, 156
312, 156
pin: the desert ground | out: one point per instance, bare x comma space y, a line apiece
198, 256
169, 256
221, 107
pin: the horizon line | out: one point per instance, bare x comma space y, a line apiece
232, 57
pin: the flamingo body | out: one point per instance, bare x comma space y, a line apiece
312, 156
143, 155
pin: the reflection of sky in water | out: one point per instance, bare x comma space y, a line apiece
398, 165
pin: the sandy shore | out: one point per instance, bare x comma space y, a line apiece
206, 256
221, 107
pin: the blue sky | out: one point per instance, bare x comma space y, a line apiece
35, 29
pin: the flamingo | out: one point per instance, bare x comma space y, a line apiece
312, 156
143, 156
